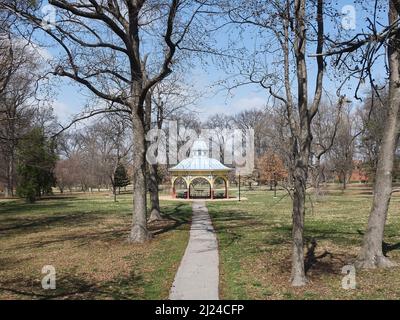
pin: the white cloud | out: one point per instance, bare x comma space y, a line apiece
42, 52
250, 102
37, 51
62, 111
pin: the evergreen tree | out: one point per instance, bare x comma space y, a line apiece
36, 162
121, 178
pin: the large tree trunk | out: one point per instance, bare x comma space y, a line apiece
152, 168
302, 134
371, 255
9, 188
139, 232
298, 277
155, 213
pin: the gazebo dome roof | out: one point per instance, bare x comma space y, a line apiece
199, 164
199, 160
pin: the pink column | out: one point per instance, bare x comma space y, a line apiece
173, 192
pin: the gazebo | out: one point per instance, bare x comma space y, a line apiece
199, 176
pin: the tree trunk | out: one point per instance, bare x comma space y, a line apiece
298, 277
371, 255
9, 188
7, 191
317, 181
302, 136
152, 168
344, 181
114, 189
154, 199
139, 232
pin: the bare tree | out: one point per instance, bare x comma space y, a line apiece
253, 119
93, 153
324, 129
271, 169
363, 51
343, 149
290, 24
371, 254
104, 45
19, 74
373, 115
67, 173
164, 102
112, 148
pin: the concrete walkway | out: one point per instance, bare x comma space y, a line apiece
198, 275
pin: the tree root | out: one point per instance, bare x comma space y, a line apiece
155, 215
139, 234
374, 262
299, 281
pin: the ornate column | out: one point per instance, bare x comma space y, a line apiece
188, 181
173, 194
211, 181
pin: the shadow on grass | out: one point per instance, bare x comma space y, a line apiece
325, 263
12, 262
232, 225
174, 218
280, 232
81, 239
387, 247
39, 222
57, 197
74, 286
311, 260
14, 226
16, 207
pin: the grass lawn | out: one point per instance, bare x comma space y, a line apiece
255, 247
84, 238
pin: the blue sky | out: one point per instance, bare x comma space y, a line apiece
71, 98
